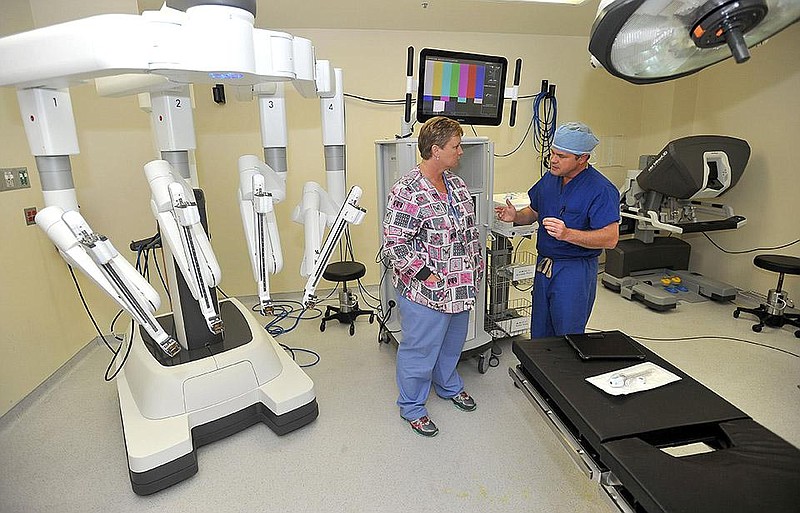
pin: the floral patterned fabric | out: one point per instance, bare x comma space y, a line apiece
425, 232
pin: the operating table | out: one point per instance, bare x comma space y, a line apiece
619, 441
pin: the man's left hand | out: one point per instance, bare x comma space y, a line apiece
555, 227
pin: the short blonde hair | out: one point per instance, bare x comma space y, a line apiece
437, 131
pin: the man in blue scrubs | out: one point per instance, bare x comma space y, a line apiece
578, 213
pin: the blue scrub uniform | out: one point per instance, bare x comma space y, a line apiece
562, 303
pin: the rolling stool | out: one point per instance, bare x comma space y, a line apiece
772, 313
348, 310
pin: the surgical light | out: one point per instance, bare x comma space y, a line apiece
657, 40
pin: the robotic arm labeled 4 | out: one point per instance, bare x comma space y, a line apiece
175, 208
349, 213
320, 207
668, 193
94, 254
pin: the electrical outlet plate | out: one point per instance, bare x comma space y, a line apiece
12, 178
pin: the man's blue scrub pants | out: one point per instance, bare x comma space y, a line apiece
429, 352
562, 303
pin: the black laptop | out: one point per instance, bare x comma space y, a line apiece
605, 345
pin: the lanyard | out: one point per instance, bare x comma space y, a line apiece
450, 206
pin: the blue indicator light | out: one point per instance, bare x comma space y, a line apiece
226, 76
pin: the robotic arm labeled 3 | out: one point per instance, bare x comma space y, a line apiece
667, 194
260, 188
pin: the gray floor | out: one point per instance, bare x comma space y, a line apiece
61, 449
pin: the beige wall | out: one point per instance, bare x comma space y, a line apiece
43, 320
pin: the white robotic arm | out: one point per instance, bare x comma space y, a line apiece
260, 188
175, 208
320, 207
94, 254
349, 213
316, 211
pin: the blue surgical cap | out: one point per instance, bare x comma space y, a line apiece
575, 138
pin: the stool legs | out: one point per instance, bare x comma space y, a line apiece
772, 313
347, 311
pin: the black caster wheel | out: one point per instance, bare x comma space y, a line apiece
322, 326
352, 329
383, 337
797, 333
494, 361
371, 318
483, 364
757, 328
736, 314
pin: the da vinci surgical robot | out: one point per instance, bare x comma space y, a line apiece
208, 369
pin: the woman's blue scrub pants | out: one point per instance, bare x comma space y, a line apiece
428, 354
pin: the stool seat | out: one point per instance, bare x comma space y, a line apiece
778, 263
344, 271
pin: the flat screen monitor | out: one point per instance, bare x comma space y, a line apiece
466, 87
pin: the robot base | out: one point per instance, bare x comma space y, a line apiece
170, 407
634, 270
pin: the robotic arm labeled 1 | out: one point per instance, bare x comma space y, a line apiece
94, 254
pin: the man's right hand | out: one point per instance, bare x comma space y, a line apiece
506, 213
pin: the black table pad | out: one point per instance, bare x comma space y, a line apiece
757, 472
600, 417
752, 470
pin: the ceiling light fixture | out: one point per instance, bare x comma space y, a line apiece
653, 41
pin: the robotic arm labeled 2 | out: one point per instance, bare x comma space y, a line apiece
668, 193
175, 208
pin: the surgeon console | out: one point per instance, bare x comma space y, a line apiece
671, 196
